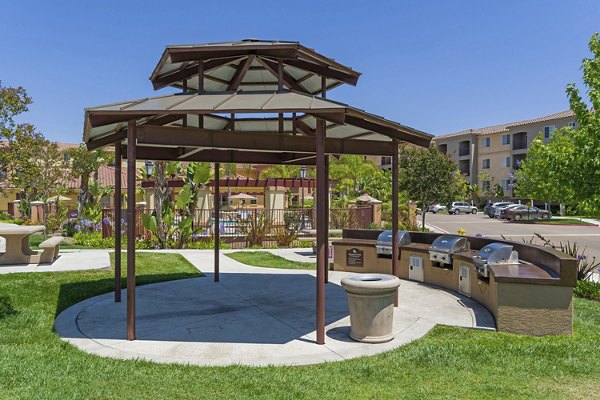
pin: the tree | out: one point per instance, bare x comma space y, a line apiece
34, 164
353, 174
585, 178
84, 163
567, 169
546, 172
429, 177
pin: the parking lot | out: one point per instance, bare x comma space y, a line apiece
473, 224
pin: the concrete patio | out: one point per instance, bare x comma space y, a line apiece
254, 316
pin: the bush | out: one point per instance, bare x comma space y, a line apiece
588, 290
206, 244
69, 228
95, 240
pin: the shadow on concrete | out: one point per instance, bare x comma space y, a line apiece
308, 254
242, 308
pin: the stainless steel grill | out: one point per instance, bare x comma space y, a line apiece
444, 246
384, 241
494, 253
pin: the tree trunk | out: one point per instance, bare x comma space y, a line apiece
161, 193
423, 212
84, 193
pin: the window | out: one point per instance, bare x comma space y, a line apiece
443, 148
549, 131
485, 142
572, 124
485, 185
464, 148
386, 160
486, 163
3, 175
506, 162
506, 184
505, 139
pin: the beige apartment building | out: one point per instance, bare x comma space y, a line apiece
488, 156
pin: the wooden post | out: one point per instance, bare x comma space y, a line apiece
326, 212
131, 156
395, 249
217, 222
200, 77
117, 219
280, 75
321, 230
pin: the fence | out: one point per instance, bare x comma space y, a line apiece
236, 227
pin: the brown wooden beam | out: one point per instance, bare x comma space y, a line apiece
106, 140
168, 79
213, 52
117, 219
225, 156
217, 208
395, 218
131, 220
324, 71
387, 131
263, 141
240, 72
304, 128
321, 239
289, 81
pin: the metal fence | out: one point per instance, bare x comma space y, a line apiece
236, 226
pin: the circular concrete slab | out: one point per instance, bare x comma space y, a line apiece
251, 319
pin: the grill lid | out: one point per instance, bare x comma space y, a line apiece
450, 244
496, 253
385, 238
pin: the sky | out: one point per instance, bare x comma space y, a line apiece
437, 66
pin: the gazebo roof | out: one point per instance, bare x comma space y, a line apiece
107, 124
249, 64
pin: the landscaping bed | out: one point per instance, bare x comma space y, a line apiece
447, 363
556, 221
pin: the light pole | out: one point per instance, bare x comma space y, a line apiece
302, 176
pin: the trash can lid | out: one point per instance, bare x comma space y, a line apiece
371, 281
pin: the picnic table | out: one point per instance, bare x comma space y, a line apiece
17, 244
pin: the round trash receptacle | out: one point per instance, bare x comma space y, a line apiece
371, 304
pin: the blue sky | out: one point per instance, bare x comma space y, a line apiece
439, 66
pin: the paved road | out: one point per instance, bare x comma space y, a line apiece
584, 235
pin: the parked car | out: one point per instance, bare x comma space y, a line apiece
498, 210
462, 207
436, 207
490, 208
523, 212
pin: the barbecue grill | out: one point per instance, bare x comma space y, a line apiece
384, 242
444, 246
492, 254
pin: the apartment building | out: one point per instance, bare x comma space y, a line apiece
488, 156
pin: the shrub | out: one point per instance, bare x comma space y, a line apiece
588, 290
95, 240
255, 228
206, 244
68, 228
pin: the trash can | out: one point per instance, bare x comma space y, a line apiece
371, 304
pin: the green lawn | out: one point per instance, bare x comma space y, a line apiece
268, 260
447, 363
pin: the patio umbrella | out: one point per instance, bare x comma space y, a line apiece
242, 196
365, 198
56, 198
308, 197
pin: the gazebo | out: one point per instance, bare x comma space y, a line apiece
250, 101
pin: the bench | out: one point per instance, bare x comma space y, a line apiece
50, 248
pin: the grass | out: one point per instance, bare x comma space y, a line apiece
447, 363
268, 260
556, 221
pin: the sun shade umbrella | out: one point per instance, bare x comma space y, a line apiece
54, 199
242, 196
365, 198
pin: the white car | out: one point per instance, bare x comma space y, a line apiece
462, 207
436, 207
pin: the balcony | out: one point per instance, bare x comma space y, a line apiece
443, 148
464, 148
464, 166
520, 141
